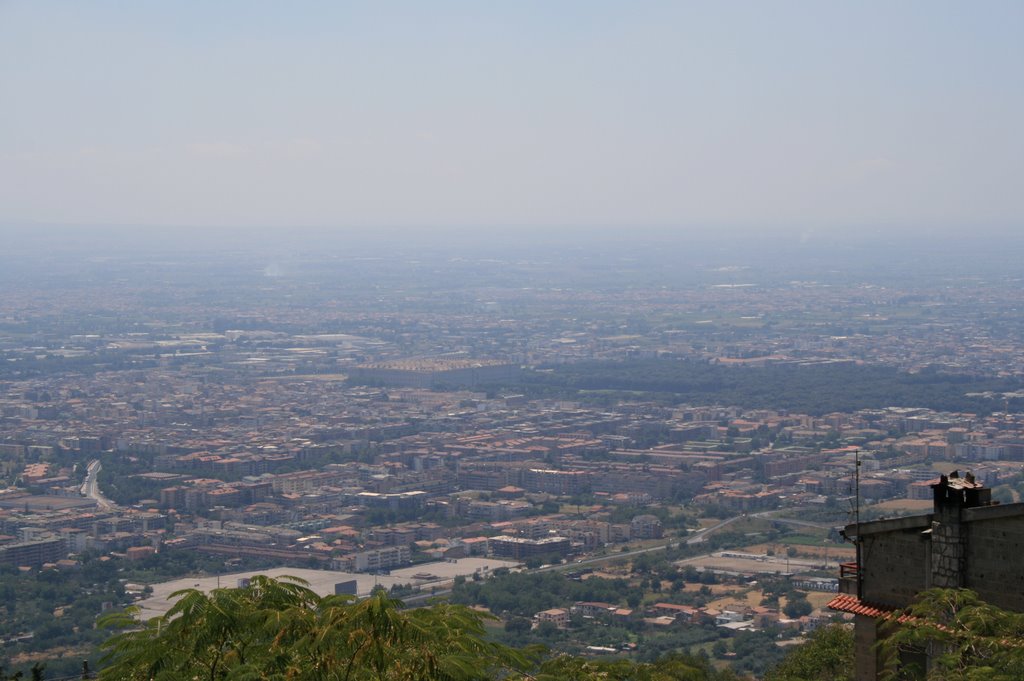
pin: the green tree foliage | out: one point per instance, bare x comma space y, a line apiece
797, 605
826, 656
524, 593
817, 389
518, 625
28, 601
756, 651
36, 674
969, 639
675, 667
280, 629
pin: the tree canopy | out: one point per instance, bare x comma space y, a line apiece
826, 656
279, 629
816, 389
967, 638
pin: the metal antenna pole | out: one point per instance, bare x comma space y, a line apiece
856, 494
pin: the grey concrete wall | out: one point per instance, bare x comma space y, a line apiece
865, 662
895, 566
995, 559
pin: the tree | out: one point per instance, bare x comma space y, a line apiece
675, 667
797, 605
280, 629
967, 638
36, 671
826, 656
547, 630
550, 507
518, 625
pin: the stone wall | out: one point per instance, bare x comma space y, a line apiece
995, 554
948, 550
896, 559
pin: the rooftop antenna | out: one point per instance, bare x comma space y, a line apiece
857, 543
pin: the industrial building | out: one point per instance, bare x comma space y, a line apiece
522, 548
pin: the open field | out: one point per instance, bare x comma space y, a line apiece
833, 551
946, 467
819, 599
733, 562
716, 589
904, 505
802, 540
737, 600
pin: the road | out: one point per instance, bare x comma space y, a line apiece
700, 538
799, 523
91, 486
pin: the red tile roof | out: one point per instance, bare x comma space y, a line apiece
852, 604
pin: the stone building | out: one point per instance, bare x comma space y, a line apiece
965, 542
522, 548
557, 616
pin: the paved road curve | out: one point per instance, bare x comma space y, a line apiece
91, 486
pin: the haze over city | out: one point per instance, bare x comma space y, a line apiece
789, 117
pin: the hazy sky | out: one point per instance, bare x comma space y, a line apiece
809, 115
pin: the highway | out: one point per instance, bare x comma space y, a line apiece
91, 486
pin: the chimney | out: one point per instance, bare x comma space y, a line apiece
952, 494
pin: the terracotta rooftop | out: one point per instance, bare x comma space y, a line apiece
853, 605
